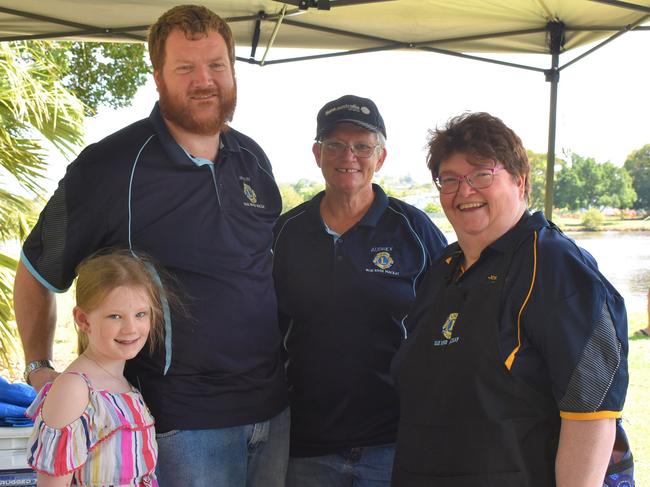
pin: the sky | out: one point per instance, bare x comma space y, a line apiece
603, 103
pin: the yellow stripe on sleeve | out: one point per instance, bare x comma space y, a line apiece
591, 416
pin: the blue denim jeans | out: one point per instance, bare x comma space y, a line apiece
357, 467
253, 455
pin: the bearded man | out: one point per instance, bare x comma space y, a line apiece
200, 198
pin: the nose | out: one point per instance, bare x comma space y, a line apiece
128, 325
348, 153
464, 188
202, 76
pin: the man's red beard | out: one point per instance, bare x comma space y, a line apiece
180, 113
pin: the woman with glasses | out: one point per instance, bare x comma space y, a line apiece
515, 371
346, 266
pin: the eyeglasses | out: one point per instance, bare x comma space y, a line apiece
338, 148
479, 179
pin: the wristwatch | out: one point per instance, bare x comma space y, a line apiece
35, 365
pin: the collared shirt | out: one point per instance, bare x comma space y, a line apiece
207, 224
341, 302
563, 326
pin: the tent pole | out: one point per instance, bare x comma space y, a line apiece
550, 155
555, 41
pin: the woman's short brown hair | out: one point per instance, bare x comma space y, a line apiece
193, 21
480, 136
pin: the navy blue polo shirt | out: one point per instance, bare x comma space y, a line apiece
210, 227
563, 327
341, 302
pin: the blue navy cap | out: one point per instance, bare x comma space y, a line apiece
352, 109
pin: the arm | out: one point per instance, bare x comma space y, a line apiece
35, 309
44, 480
65, 402
583, 452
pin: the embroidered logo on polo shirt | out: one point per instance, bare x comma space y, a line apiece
447, 331
250, 194
383, 260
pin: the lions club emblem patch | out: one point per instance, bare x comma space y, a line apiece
383, 260
250, 194
448, 327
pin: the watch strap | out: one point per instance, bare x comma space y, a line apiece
35, 365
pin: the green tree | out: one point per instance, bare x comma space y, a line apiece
101, 73
432, 208
35, 108
290, 197
586, 184
307, 189
638, 165
537, 180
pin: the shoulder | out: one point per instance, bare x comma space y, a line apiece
114, 151
562, 262
238, 141
66, 400
419, 223
292, 219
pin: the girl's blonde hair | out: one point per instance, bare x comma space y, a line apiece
100, 273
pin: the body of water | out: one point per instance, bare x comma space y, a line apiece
624, 259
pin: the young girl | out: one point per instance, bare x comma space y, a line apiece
91, 426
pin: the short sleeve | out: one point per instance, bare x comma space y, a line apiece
69, 227
581, 334
58, 451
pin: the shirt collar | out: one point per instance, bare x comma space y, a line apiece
370, 219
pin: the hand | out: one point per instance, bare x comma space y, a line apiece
42, 376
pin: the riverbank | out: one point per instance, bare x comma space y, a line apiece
570, 224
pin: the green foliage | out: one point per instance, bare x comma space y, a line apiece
432, 208
101, 73
537, 161
537, 180
290, 197
586, 184
638, 165
34, 107
308, 189
593, 220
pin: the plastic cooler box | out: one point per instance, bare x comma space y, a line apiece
13, 457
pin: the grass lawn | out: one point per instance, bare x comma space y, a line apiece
636, 420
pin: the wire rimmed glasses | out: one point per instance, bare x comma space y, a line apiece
359, 149
479, 179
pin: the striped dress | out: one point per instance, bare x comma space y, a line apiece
112, 444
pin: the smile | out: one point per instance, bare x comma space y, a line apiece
470, 206
347, 170
128, 342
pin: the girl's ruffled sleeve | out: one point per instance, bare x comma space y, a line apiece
56, 451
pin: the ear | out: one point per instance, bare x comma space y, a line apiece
157, 76
382, 158
521, 186
315, 149
81, 319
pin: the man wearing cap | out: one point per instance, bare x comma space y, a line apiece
346, 267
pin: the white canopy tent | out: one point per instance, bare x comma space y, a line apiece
466, 28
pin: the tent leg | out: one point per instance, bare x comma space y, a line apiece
555, 42
553, 76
